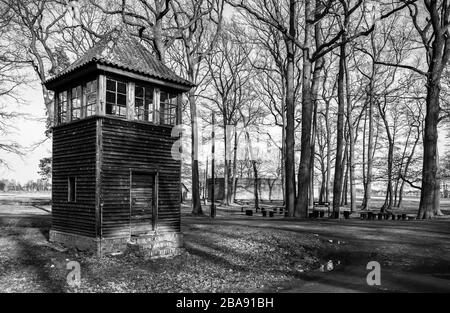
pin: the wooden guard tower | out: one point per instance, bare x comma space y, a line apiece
115, 181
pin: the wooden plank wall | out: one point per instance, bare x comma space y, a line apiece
136, 146
74, 154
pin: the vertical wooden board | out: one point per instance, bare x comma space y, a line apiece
83, 101
74, 155
69, 105
101, 97
142, 193
130, 100
127, 147
156, 104
55, 109
98, 194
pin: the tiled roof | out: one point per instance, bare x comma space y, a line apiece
121, 50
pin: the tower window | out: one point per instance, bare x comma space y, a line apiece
116, 97
143, 103
72, 189
91, 97
168, 110
76, 103
62, 107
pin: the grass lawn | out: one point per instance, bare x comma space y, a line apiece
234, 253
218, 258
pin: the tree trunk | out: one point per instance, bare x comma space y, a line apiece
368, 185
344, 196
338, 171
328, 128
226, 170
255, 170
429, 167
196, 203
364, 179
400, 169
290, 112
351, 136
255, 184
323, 187
388, 199
304, 171
437, 191
233, 182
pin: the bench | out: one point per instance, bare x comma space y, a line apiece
345, 211
319, 209
264, 212
371, 215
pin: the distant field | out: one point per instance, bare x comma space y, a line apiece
25, 195
410, 204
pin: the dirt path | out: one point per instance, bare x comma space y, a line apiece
414, 255
236, 253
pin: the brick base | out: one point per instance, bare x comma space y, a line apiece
150, 245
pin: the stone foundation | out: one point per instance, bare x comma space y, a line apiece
152, 245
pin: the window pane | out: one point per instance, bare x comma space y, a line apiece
90, 110
110, 85
139, 92
143, 103
109, 108
76, 103
110, 97
62, 107
168, 105
72, 189
121, 87
91, 86
121, 99
121, 110
116, 98
91, 98
163, 97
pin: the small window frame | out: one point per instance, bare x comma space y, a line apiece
146, 111
168, 109
115, 105
71, 189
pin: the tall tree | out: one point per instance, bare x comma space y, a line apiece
431, 19
192, 17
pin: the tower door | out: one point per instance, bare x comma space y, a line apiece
143, 211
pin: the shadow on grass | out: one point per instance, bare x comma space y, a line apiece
30, 258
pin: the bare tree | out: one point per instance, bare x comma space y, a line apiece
431, 19
192, 17
230, 74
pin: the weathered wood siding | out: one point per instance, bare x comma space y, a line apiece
132, 146
74, 155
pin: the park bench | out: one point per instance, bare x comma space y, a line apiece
345, 211
373, 215
271, 212
369, 215
319, 209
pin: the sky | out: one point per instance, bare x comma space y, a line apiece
27, 132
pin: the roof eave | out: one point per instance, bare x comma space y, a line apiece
97, 65
65, 77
